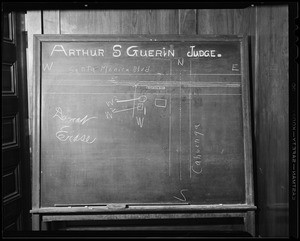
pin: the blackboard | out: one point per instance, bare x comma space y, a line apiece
142, 120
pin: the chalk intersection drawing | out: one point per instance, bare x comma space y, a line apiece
142, 103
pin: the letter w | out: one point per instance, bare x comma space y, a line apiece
46, 66
110, 102
140, 121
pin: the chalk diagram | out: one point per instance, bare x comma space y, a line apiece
136, 105
140, 104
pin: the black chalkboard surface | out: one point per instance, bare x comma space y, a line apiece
142, 120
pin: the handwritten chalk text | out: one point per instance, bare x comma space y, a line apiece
197, 157
59, 114
64, 135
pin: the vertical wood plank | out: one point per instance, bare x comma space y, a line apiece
271, 115
149, 22
188, 21
163, 22
120, 22
135, 22
247, 124
90, 22
33, 21
242, 22
215, 21
224, 21
51, 22
249, 28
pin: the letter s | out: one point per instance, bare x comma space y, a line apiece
117, 52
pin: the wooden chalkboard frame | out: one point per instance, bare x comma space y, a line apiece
36, 155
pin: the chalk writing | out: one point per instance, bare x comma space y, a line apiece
107, 69
180, 61
77, 52
131, 51
59, 114
201, 53
115, 103
110, 103
235, 67
63, 135
140, 121
197, 156
108, 115
183, 199
117, 50
155, 87
47, 66
134, 51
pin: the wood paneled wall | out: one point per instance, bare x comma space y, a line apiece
271, 118
267, 27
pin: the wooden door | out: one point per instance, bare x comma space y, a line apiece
15, 146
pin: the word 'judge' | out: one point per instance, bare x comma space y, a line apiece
132, 51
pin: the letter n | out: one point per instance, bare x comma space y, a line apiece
180, 61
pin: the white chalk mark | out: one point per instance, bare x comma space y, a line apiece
180, 130
108, 115
181, 192
190, 125
142, 98
63, 135
140, 121
196, 171
222, 151
121, 101
108, 103
145, 111
170, 134
140, 106
180, 61
235, 67
161, 103
59, 114
198, 133
117, 111
46, 66
197, 126
134, 100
